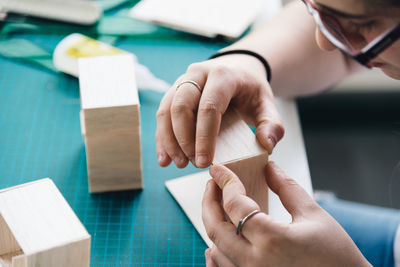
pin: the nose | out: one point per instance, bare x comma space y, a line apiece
323, 42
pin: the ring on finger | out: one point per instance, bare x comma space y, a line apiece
191, 82
244, 219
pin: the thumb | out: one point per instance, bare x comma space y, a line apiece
293, 197
269, 126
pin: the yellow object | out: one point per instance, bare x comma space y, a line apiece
88, 47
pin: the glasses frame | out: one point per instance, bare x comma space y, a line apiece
364, 56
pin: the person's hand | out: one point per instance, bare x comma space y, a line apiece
188, 119
313, 238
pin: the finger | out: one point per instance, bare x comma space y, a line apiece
220, 259
209, 260
165, 138
217, 93
220, 231
293, 197
237, 205
162, 156
269, 125
183, 112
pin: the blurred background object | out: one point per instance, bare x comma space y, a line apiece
73, 11
373, 80
352, 137
209, 18
3, 14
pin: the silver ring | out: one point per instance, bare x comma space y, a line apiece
242, 221
191, 82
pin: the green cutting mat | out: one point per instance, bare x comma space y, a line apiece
40, 137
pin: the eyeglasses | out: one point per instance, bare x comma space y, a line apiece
352, 43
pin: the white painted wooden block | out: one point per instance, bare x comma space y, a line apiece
39, 228
238, 149
110, 122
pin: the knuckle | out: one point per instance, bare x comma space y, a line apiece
203, 138
287, 181
209, 107
171, 153
258, 221
230, 205
185, 143
222, 70
229, 75
310, 206
164, 101
212, 233
179, 108
162, 114
226, 180
188, 148
195, 67
172, 149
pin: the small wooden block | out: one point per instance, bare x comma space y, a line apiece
110, 122
39, 228
238, 149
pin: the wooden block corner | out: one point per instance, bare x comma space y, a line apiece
238, 149
39, 228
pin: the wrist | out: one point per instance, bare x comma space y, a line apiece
247, 53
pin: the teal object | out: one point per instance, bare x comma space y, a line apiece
40, 137
108, 5
116, 24
26, 51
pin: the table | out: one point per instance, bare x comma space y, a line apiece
40, 137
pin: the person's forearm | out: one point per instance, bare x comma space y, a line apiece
298, 65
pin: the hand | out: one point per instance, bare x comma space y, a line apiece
313, 238
188, 120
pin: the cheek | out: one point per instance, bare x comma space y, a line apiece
391, 57
392, 54
323, 43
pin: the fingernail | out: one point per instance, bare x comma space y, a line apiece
207, 253
179, 161
271, 142
202, 160
161, 157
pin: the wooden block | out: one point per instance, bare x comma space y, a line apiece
238, 149
110, 122
289, 154
39, 228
